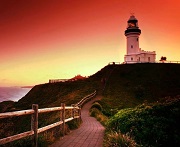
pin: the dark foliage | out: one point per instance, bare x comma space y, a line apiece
150, 125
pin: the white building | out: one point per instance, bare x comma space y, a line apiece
134, 54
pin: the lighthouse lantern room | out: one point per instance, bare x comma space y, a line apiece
134, 54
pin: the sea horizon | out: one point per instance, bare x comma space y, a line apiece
13, 93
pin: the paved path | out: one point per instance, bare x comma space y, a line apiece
89, 134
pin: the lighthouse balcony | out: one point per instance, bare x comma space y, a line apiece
132, 30
142, 52
147, 52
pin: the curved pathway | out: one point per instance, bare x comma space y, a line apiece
89, 134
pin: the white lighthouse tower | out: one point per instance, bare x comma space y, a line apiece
134, 54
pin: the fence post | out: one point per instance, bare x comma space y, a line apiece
63, 118
34, 125
73, 110
79, 111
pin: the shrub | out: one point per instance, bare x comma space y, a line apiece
74, 124
97, 106
152, 125
116, 139
94, 112
26, 142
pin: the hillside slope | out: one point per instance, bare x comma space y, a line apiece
132, 84
53, 94
123, 86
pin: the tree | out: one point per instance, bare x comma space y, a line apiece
163, 59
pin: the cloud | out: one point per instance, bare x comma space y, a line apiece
4, 80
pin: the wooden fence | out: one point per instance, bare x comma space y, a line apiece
85, 99
76, 113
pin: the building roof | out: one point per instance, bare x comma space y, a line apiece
132, 17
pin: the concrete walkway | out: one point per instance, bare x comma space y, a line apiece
89, 134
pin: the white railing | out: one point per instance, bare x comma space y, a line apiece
114, 63
130, 62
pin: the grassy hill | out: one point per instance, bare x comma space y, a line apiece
145, 99
45, 95
53, 94
132, 84
122, 86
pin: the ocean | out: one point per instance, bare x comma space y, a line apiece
12, 93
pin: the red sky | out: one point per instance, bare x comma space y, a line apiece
44, 39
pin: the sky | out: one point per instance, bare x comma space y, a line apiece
58, 39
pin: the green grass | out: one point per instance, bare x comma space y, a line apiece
150, 124
132, 84
111, 138
131, 89
53, 94
96, 111
117, 139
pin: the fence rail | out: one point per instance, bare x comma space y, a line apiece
85, 99
76, 113
131, 62
113, 63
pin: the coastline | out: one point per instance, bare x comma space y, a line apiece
12, 93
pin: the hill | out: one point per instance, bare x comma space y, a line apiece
132, 84
122, 86
53, 94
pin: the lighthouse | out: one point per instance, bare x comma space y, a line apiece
134, 54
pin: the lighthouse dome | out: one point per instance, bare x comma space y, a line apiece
132, 17
132, 26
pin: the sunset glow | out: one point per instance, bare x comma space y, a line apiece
47, 39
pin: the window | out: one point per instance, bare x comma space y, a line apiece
137, 39
131, 46
149, 59
139, 59
131, 59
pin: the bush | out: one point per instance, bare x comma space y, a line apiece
26, 142
74, 124
116, 139
94, 112
97, 106
151, 125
